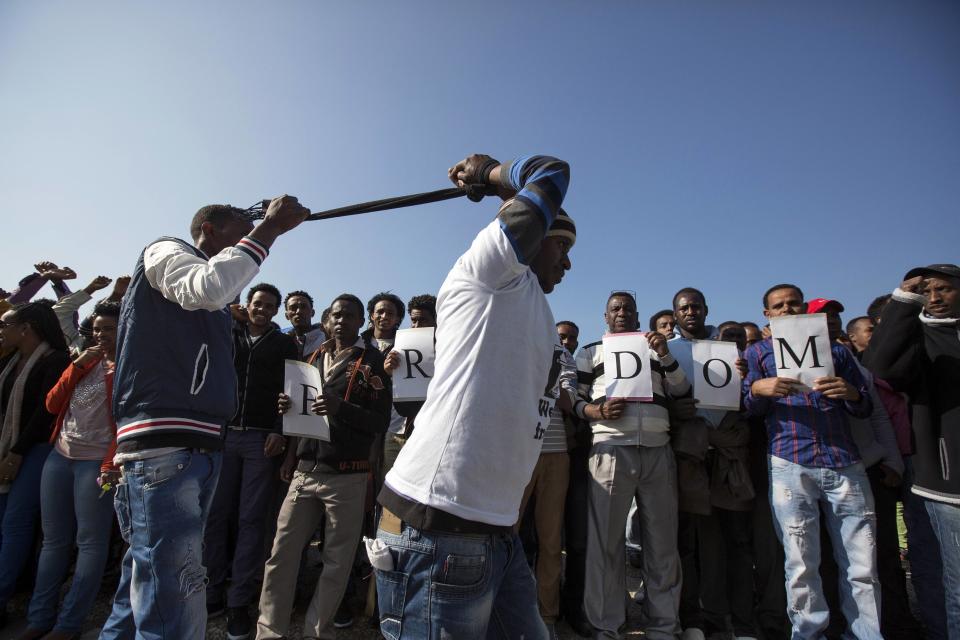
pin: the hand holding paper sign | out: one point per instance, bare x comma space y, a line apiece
284, 404
836, 388
742, 368
322, 405
775, 387
607, 410
658, 343
326, 405
391, 362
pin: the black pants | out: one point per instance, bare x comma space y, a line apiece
896, 620
768, 578
717, 562
575, 531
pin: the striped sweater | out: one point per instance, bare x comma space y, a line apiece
645, 424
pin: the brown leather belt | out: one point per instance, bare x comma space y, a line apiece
390, 523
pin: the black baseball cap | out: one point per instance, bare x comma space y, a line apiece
949, 270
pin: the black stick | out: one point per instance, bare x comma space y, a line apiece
258, 210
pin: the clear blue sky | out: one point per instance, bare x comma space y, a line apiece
726, 146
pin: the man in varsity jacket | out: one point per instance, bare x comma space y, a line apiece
631, 457
330, 481
449, 563
174, 391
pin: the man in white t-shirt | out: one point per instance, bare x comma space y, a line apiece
454, 565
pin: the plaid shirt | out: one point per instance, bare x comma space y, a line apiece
807, 428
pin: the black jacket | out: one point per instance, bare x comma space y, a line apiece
36, 423
360, 381
259, 366
922, 358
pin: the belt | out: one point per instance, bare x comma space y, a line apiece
389, 522
234, 428
307, 465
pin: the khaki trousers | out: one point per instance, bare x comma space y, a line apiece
311, 495
549, 488
618, 474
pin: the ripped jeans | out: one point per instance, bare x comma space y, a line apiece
162, 505
796, 492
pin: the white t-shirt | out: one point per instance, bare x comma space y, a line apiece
479, 433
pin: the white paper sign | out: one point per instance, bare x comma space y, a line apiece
801, 347
302, 382
626, 366
412, 377
716, 379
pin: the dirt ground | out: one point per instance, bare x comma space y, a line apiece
363, 628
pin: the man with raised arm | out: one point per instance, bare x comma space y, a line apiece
174, 390
448, 562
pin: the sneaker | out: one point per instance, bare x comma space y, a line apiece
238, 623
215, 609
343, 618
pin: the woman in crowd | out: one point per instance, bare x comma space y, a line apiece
75, 509
27, 374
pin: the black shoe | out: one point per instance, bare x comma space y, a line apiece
343, 618
238, 623
215, 609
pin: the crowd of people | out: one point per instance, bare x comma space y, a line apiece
499, 505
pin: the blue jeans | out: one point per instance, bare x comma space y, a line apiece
73, 511
162, 505
945, 519
795, 493
926, 572
18, 513
460, 586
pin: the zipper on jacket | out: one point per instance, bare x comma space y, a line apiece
200, 372
246, 381
944, 459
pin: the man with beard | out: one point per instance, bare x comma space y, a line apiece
916, 348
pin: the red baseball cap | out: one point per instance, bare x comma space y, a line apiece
819, 305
